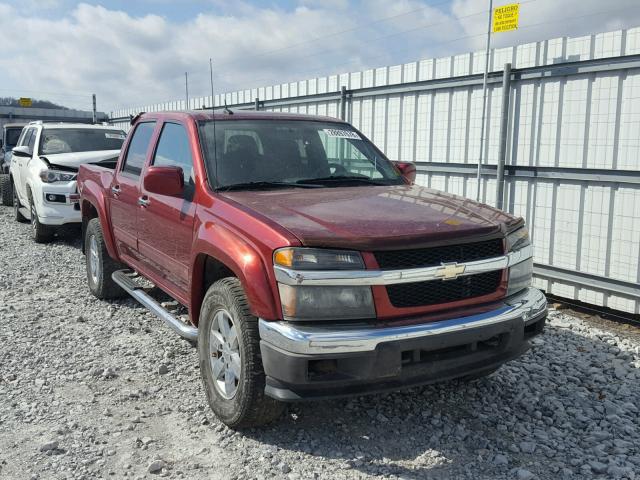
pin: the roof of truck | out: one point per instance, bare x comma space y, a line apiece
47, 125
240, 115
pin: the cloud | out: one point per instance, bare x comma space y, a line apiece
132, 60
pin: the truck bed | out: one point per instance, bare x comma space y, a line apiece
101, 174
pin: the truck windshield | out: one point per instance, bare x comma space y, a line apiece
12, 135
67, 140
264, 154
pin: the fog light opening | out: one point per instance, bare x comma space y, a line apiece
321, 368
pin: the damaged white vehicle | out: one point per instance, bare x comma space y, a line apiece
44, 169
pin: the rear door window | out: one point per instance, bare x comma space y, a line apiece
138, 147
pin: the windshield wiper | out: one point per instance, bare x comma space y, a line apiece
342, 179
265, 185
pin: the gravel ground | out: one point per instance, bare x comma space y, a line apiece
90, 389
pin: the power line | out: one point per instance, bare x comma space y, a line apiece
375, 39
466, 37
359, 60
335, 34
404, 32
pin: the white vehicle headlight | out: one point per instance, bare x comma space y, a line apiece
52, 176
316, 302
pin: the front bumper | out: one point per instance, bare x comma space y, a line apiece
309, 361
65, 209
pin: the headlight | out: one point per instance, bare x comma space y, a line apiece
52, 176
520, 276
521, 273
305, 302
318, 259
326, 303
518, 239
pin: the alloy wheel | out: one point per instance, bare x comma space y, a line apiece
94, 260
224, 350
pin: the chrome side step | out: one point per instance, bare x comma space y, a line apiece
122, 278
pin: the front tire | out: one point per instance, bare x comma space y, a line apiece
40, 233
230, 360
100, 266
6, 190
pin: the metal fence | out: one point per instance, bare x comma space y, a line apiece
571, 149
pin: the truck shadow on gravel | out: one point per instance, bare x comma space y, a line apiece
568, 403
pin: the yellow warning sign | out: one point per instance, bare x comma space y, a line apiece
25, 102
505, 18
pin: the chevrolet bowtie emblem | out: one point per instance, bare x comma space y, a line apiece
450, 271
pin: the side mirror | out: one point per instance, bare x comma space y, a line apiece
22, 151
164, 181
407, 170
1, 143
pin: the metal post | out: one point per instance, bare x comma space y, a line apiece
484, 101
504, 125
343, 103
186, 90
94, 116
257, 104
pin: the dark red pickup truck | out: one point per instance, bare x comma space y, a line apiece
310, 265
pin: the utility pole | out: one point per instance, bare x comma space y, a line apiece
484, 102
186, 90
94, 116
504, 125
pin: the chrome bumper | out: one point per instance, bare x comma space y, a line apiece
327, 339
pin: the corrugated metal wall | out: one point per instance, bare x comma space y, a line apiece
573, 157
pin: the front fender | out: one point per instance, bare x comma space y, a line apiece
238, 255
92, 196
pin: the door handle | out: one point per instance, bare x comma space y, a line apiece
144, 201
116, 190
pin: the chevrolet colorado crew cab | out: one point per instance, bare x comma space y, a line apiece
44, 167
311, 266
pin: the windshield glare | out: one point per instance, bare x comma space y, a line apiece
289, 151
67, 140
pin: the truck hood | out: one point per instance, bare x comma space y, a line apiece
376, 217
75, 159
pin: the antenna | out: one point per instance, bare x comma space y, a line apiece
186, 91
213, 117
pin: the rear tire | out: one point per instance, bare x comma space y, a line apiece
6, 191
235, 356
39, 232
17, 206
100, 266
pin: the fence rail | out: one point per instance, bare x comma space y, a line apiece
571, 152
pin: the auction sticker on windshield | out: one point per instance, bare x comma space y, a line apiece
337, 133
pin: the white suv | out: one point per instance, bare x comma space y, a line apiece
44, 169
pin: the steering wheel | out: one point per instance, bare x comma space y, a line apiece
338, 169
